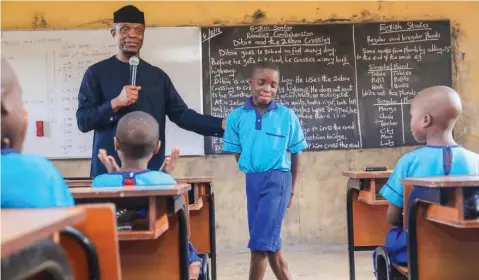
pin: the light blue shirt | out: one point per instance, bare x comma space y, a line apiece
30, 181
263, 142
146, 177
429, 161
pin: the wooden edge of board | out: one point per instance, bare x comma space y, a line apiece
161, 226
130, 191
360, 174
462, 181
373, 201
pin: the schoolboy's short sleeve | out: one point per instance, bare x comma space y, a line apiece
296, 141
393, 190
231, 136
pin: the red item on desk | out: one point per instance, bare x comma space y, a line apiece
40, 132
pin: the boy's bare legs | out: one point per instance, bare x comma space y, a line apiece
194, 270
279, 265
258, 265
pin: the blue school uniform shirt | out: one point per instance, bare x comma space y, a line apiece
103, 81
121, 178
429, 161
30, 181
423, 162
263, 141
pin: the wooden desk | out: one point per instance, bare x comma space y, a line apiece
366, 214
442, 242
153, 253
201, 214
23, 227
202, 217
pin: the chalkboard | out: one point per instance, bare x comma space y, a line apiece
349, 84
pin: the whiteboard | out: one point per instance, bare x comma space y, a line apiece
50, 65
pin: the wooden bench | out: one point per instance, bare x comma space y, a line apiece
366, 213
159, 248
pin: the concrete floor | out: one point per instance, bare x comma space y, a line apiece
305, 263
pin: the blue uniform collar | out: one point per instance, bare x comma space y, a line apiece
248, 105
8, 151
436, 146
129, 174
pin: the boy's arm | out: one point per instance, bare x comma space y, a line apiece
295, 163
231, 140
393, 191
296, 144
394, 215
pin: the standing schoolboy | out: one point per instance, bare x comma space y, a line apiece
261, 133
28, 181
434, 112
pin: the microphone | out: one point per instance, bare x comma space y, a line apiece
134, 61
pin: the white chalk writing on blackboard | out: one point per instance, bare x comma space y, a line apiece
338, 93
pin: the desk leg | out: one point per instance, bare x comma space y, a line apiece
211, 199
183, 240
411, 239
349, 211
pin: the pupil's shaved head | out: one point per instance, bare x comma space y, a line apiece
13, 112
10, 86
138, 134
442, 103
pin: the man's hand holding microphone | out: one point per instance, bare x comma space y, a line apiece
128, 96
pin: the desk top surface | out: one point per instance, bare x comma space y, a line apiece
21, 227
192, 180
444, 181
130, 191
86, 182
360, 174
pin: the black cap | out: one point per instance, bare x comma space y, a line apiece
130, 14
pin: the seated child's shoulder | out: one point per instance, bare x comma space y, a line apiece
470, 155
107, 180
147, 177
412, 155
28, 165
32, 181
155, 177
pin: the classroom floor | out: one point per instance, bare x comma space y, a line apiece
305, 263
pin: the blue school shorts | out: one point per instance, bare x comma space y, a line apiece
396, 246
267, 194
